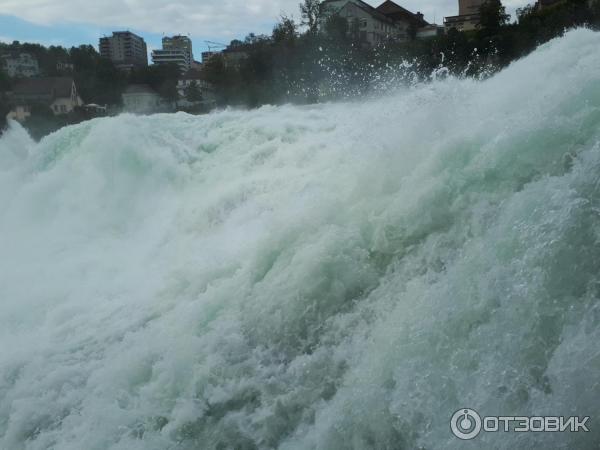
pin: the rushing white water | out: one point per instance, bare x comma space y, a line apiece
342, 276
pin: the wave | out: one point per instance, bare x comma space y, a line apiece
337, 276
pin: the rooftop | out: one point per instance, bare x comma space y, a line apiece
55, 86
391, 9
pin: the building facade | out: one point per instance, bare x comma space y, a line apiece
402, 15
374, 26
467, 7
207, 55
142, 99
57, 93
64, 67
193, 77
430, 31
20, 65
175, 50
366, 24
468, 16
125, 49
234, 56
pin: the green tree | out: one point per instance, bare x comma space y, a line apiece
162, 78
493, 15
168, 90
97, 79
4, 110
285, 31
193, 92
254, 39
412, 31
5, 83
337, 27
310, 11
225, 79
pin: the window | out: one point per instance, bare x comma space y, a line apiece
363, 23
63, 108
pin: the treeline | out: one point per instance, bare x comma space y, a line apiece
313, 65
317, 64
294, 66
97, 79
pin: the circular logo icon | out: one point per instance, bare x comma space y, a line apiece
465, 424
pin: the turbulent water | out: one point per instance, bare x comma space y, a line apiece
342, 276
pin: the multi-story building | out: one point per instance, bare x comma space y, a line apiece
466, 7
234, 56
193, 77
142, 99
125, 49
468, 16
207, 55
373, 26
20, 65
368, 25
430, 31
175, 50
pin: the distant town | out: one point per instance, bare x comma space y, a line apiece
45, 88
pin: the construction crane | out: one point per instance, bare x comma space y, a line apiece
214, 45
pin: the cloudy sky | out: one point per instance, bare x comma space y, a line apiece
73, 22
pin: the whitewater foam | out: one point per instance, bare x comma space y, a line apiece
321, 277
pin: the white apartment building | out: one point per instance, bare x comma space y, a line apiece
175, 50
125, 49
